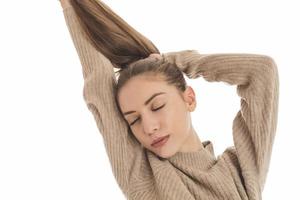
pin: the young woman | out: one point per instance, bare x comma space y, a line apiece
144, 116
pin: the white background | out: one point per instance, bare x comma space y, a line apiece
50, 147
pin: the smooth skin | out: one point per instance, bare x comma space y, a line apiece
166, 114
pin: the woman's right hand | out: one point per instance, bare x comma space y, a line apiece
65, 3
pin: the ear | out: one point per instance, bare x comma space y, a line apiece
190, 98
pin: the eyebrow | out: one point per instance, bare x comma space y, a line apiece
146, 102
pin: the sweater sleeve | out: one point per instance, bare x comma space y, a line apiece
99, 95
254, 126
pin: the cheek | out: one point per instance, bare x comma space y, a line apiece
177, 115
179, 121
139, 138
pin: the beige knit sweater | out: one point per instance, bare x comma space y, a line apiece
238, 173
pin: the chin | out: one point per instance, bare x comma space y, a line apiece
165, 155
162, 153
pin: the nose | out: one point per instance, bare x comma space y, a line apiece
150, 125
150, 133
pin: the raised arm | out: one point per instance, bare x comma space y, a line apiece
254, 126
98, 92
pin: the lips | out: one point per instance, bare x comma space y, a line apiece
159, 139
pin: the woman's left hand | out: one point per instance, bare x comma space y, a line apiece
155, 55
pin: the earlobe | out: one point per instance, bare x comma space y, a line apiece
192, 107
191, 104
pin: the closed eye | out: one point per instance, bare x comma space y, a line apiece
156, 109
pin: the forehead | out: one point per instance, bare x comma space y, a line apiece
139, 89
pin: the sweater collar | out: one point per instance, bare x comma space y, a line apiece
203, 158
207, 146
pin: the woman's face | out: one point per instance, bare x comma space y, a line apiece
157, 110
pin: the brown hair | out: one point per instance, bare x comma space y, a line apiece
125, 47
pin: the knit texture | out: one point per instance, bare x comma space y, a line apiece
238, 173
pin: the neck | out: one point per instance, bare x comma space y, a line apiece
192, 143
